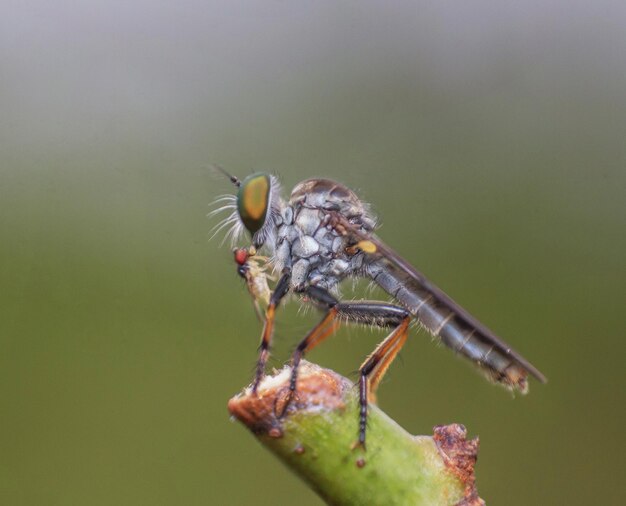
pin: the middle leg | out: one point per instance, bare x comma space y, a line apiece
373, 369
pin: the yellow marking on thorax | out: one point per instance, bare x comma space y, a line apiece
367, 246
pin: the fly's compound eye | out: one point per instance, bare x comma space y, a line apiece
253, 201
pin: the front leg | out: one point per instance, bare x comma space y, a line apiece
282, 288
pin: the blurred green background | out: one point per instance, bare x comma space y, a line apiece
490, 138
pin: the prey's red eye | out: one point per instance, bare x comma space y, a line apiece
241, 256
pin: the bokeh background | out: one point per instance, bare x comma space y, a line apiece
490, 138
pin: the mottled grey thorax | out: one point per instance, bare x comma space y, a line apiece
307, 243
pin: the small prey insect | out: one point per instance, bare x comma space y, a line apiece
324, 234
251, 268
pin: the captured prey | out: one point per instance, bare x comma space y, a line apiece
251, 268
324, 234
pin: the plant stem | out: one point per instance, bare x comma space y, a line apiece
316, 436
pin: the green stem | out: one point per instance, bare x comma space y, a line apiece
316, 440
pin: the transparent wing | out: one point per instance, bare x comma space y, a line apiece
439, 314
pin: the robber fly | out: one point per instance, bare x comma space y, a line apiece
324, 234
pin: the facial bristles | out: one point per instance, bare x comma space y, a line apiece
231, 220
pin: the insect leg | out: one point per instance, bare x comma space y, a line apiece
372, 313
319, 333
282, 287
375, 367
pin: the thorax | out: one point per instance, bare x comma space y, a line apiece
306, 241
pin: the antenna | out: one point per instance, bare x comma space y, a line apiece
233, 179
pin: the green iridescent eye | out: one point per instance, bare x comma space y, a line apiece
253, 201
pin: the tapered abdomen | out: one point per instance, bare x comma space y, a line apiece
458, 330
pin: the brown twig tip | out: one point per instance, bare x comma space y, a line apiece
262, 412
459, 455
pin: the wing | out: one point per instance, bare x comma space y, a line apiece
439, 314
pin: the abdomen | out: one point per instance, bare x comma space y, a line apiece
443, 318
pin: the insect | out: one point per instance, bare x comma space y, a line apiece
323, 235
252, 268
